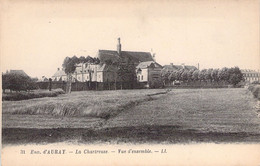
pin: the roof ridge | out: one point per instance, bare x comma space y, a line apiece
126, 51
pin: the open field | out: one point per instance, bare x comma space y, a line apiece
180, 115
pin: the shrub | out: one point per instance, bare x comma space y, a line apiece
30, 95
156, 84
255, 89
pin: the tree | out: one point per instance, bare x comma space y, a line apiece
173, 76
89, 59
126, 72
223, 74
165, 76
179, 73
189, 75
17, 82
184, 75
214, 75
69, 64
195, 75
202, 74
82, 59
208, 75
235, 76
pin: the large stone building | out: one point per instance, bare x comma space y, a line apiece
106, 71
251, 75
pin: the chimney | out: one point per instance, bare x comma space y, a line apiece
119, 47
183, 65
198, 66
171, 64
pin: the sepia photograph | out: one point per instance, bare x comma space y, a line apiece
127, 82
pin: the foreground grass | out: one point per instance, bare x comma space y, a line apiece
181, 115
101, 104
204, 110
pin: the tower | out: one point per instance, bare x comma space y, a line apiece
119, 47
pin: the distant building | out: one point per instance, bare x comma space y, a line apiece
170, 68
43, 79
251, 75
148, 72
59, 75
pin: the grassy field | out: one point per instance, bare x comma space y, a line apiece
179, 115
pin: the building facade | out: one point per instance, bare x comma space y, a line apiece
148, 72
251, 75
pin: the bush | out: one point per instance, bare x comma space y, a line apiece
156, 84
255, 89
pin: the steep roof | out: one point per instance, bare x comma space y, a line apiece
59, 73
190, 67
106, 67
19, 72
147, 64
248, 71
137, 57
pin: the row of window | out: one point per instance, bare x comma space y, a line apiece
251, 75
254, 78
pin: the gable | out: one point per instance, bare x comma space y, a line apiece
148, 64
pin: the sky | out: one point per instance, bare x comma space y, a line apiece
36, 36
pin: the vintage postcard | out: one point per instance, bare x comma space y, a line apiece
127, 82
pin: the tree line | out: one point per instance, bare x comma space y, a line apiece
17, 82
228, 75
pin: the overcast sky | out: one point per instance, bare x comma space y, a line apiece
37, 36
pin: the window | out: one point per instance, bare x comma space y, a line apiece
138, 78
142, 77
